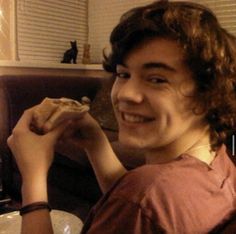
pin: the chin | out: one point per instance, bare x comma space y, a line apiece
132, 142
141, 143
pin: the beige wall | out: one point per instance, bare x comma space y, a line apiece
5, 34
105, 14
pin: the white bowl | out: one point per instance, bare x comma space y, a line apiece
63, 223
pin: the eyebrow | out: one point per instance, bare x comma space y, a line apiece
158, 65
151, 65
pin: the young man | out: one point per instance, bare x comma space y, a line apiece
174, 99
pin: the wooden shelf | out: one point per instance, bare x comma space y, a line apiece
51, 69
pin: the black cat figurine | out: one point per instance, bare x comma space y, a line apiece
71, 54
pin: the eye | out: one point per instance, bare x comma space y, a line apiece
122, 75
157, 80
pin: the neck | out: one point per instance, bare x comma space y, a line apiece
197, 145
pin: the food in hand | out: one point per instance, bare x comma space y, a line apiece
51, 112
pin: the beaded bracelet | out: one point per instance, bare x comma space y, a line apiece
34, 206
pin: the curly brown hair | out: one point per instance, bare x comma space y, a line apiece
209, 51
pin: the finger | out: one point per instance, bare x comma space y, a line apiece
26, 119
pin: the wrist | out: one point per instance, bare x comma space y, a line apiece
97, 144
34, 190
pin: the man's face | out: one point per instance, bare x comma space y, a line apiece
152, 97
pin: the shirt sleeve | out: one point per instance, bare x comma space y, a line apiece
120, 216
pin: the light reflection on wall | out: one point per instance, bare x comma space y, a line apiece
5, 37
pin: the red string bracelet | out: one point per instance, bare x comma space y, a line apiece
34, 206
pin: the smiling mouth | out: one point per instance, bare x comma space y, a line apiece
136, 119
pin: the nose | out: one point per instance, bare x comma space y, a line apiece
130, 90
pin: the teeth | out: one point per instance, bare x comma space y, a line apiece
133, 118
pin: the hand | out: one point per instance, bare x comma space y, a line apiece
33, 153
83, 130
83, 133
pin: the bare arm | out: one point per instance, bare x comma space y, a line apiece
34, 155
105, 163
39, 221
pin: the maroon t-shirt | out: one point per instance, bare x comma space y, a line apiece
182, 196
